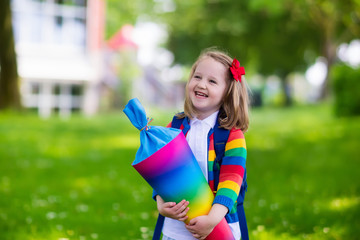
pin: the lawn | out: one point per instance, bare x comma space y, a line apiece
72, 179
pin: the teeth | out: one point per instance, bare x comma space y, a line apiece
200, 94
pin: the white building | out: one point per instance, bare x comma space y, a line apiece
59, 52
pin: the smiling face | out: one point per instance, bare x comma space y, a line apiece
207, 86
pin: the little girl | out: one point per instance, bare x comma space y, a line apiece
216, 91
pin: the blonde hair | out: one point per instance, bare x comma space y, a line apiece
234, 110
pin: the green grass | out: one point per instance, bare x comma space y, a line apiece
72, 179
303, 175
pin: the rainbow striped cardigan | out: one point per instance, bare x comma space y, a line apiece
232, 169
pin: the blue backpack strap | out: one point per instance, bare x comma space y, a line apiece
221, 136
158, 227
242, 222
241, 211
176, 123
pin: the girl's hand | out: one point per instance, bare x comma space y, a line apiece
173, 210
200, 227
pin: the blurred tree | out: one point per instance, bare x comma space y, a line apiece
9, 91
264, 33
124, 12
274, 37
336, 22
279, 37
346, 85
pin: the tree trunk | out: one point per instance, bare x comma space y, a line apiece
9, 90
329, 52
286, 89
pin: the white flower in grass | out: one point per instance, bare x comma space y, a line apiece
144, 215
144, 229
29, 220
82, 208
36, 202
260, 228
51, 215
262, 203
53, 199
62, 215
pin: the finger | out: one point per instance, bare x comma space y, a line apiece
183, 218
177, 206
189, 228
192, 222
181, 203
159, 198
195, 235
183, 213
180, 206
183, 207
186, 204
169, 204
186, 210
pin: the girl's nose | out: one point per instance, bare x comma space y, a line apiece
201, 84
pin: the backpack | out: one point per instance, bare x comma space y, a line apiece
221, 136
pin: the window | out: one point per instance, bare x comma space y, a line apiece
56, 89
76, 90
34, 88
59, 22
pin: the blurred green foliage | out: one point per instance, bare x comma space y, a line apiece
346, 82
280, 36
72, 179
119, 13
268, 37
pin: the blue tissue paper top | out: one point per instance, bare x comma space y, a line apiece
152, 138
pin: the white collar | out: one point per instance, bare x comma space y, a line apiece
210, 120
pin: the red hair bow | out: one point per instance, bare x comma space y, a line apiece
236, 70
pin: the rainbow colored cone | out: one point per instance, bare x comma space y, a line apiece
169, 166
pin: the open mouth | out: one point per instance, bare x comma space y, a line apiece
200, 94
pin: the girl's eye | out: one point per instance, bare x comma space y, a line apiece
212, 81
197, 76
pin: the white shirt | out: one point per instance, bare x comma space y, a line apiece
197, 137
